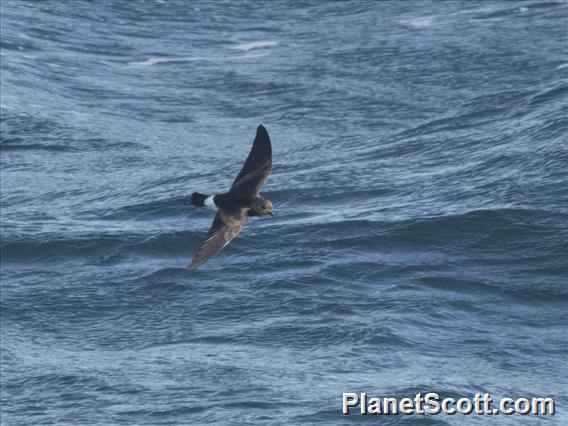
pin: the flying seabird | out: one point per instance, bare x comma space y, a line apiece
242, 200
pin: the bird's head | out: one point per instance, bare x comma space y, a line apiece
261, 206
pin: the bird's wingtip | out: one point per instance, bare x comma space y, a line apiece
262, 132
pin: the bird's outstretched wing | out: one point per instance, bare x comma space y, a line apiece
257, 167
225, 227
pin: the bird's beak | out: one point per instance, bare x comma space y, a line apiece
271, 214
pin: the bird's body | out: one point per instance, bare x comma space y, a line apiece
232, 201
242, 200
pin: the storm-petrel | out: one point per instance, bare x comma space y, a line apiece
242, 200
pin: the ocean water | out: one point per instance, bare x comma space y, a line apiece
420, 189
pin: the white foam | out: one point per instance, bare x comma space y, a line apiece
166, 60
419, 23
254, 45
562, 66
76, 113
248, 56
481, 10
173, 60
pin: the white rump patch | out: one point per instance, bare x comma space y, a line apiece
210, 203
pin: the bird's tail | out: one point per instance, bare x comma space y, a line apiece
198, 199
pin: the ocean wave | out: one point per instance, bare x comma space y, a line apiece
527, 293
159, 208
476, 233
551, 94
7, 146
102, 248
23, 131
478, 230
475, 111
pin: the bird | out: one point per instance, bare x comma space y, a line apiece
241, 201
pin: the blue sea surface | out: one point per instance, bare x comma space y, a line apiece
420, 190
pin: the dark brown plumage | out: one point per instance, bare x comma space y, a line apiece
242, 200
